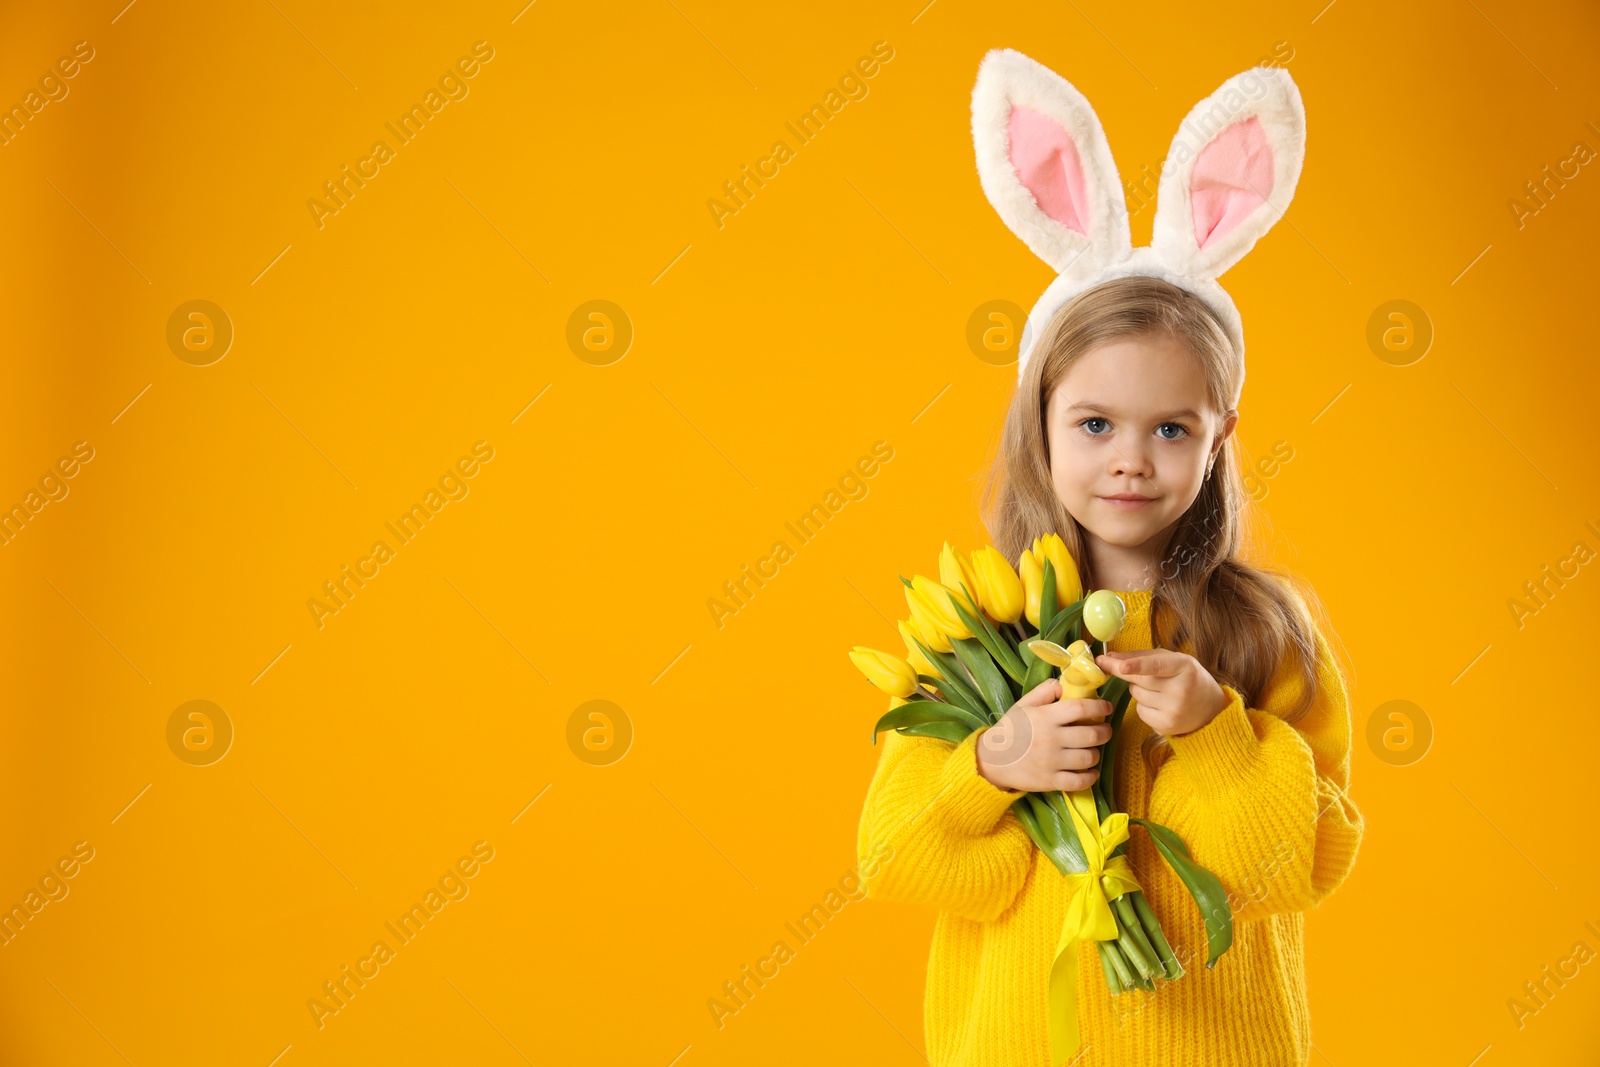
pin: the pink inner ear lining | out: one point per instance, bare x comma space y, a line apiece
1047, 162
1232, 177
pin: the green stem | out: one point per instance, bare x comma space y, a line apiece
1113, 982
1130, 919
1119, 963
1025, 816
1158, 938
1055, 802
1132, 943
1046, 832
1045, 818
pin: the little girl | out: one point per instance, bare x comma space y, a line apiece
1237, 736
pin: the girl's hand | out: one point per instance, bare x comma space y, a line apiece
1176, 695
1045, 743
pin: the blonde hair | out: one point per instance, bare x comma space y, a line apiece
1244, 624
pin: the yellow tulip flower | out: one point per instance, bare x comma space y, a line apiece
1032, 583
954, 570
1068, 588
889, 673
933, 600
913, 653
925, 626
895, 702
998, 586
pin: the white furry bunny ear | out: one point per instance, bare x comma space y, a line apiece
1045, 165
1231, 172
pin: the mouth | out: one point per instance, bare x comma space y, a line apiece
1128, 501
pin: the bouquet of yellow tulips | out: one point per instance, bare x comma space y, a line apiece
969, 658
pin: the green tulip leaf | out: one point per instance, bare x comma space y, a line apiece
1204, 887
955, 686
916, 712
1036, 675
1047, 597
1038, 670
983, 630
1066, 617
1065, 850
1115, 691
1024, 813
945, 731
987, 676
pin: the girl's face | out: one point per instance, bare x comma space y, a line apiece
1132, 419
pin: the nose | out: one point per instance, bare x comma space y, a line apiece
1129, 460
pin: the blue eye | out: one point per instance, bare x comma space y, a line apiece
1180, 435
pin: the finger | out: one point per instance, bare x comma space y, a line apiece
1157, 663
1067, 781
1085, 736
1143, 695
1041, 694
1076, 759
1134, 666
1152, 713
1080, 710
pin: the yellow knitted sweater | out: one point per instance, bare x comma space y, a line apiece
1260, 803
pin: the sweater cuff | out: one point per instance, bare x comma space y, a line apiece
967, 800
1224, 753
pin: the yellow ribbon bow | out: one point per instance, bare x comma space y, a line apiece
1088, 913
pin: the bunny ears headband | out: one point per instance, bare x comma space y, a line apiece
1046, 167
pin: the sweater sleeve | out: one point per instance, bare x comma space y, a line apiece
1264, 804
952, 841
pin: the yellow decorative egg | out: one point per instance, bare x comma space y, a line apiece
1103, 614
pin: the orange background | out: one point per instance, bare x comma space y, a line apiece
769, 355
